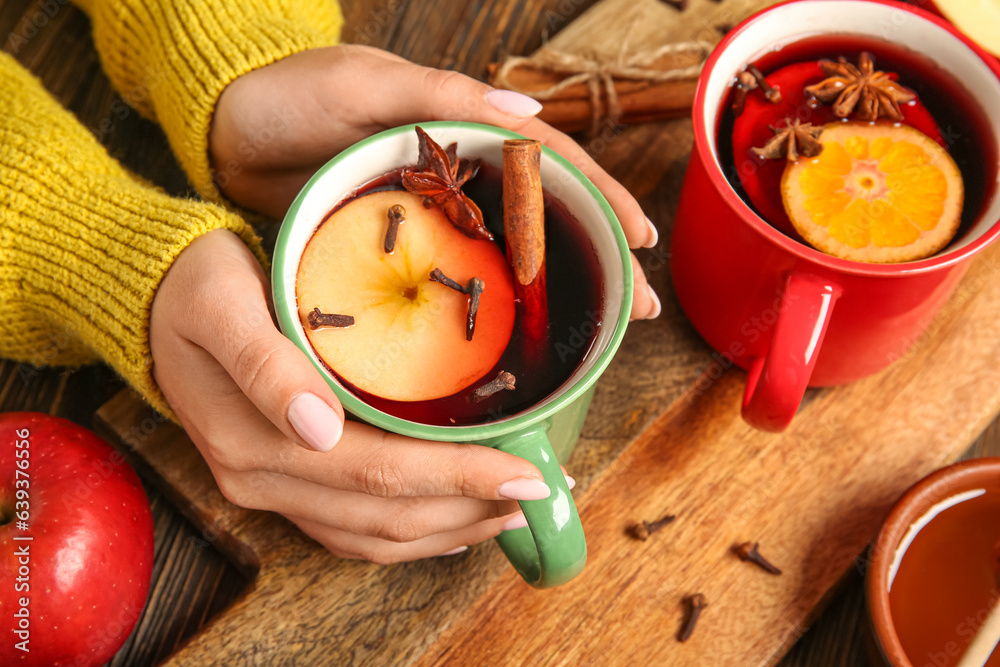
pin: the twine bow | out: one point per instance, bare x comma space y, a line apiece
599, 75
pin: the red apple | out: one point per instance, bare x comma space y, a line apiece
76, 544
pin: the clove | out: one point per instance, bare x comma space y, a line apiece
745, 82
438, 276
474, 289
396, 215
502, 381
748, 551
772, 94
695, 604
642, 530
318, 319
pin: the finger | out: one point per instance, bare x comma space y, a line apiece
235, 436
234, 325
645, 302
436, 94
393, 519
426, 93
384, 552
388, 465
377, 52
639, 230
234, 421
444, 95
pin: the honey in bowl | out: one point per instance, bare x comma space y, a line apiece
912, 161
948, 578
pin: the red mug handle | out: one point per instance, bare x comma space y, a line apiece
777, 381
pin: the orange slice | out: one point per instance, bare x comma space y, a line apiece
877, 193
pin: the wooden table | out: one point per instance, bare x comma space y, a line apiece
192, 581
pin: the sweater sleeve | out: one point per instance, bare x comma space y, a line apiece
83, 243
171, 59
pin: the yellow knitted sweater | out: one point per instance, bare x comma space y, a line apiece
84, 243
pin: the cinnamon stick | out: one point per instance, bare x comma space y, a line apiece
524, 232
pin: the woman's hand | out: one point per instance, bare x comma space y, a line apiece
274, 435
275, 126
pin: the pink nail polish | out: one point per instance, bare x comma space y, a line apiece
513, 104
656, 304
570, 482
524, 489
315, 421
654, 234
517, 522
456, 550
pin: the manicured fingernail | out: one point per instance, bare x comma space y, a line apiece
524, 489
656, 304
654, 234
315, 421
570, 482
513, 104
456, 550
517, 522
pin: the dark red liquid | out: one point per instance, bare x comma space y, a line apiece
947, 583
966, 130
576, 310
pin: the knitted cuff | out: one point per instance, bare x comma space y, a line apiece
83, 244
171, 59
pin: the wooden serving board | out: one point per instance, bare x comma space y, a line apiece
813, 496
664, 436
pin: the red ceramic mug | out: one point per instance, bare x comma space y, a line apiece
790, 315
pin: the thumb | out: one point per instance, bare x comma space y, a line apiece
226, 313
284, 385
277, 377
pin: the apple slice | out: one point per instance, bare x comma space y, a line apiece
408, 341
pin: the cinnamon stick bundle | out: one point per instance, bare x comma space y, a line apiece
572, 108
524, 233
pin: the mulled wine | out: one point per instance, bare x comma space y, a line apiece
575, 310
943, 110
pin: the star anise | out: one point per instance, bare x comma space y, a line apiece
874, 93
439, 177
792, 140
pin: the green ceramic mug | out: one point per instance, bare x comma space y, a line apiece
552, 549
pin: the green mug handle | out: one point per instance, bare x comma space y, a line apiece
552, 549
